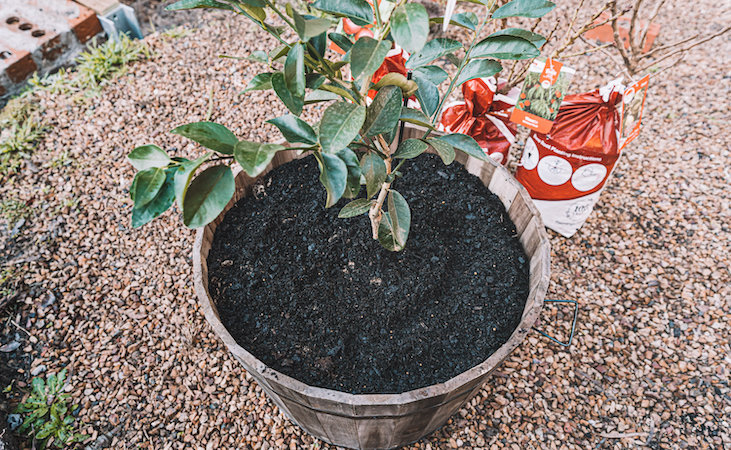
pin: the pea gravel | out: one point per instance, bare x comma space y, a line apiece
650, 364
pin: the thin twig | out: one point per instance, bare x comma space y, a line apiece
685, 49
677, 61
619, 44
619, 64
209, 113
589, 50
668, 46
20, 327
654, 14
589, 25
567, 36
632, 24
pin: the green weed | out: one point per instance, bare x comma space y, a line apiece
47, 418
21, 127
12, 210
178, 32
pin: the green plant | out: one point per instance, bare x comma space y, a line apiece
103, 62
352, 142
177, 32
7, 282
46, 413
21, 127
12, 210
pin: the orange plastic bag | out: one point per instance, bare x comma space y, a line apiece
565, 170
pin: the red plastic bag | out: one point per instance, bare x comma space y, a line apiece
395, 61
484, 116
565, 170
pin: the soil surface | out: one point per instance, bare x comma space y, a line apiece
316, 298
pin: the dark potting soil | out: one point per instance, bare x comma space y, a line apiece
314, 297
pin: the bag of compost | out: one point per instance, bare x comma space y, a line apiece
565, 170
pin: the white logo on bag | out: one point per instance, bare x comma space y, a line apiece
588, 177
554, 170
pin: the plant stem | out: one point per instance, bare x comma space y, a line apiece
376, 9
375, 214
453, 81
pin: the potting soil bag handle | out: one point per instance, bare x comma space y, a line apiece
573, 324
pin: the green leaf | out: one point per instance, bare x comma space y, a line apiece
534, 38
320, 95
443, 149
367, 56
400, 214
279, 52
184, 174
210, 135
436, 48
416, 117
147, 156
524, 8
374, 170
319, 46
254, 157
39, 387
294, 70
259, 56
340, 124
478, 68
465, 144
260, 82
393, 230
207, 196
410, 148
191, 4
293, 102
467, 20
256, 12
295, 129
359, 11
505, 47
410, 26
309, 28
355, 208
435, 74
333, 175
427, 94
352, 187
45, 430
341, 41
383, 113
314, 81
257, 3
142, 214
146, 185
344, 93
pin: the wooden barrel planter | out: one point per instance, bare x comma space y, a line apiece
386, 420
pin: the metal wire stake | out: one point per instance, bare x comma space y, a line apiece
573, 324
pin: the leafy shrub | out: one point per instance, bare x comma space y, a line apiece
352, 142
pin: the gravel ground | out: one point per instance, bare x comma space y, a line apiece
650, 363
